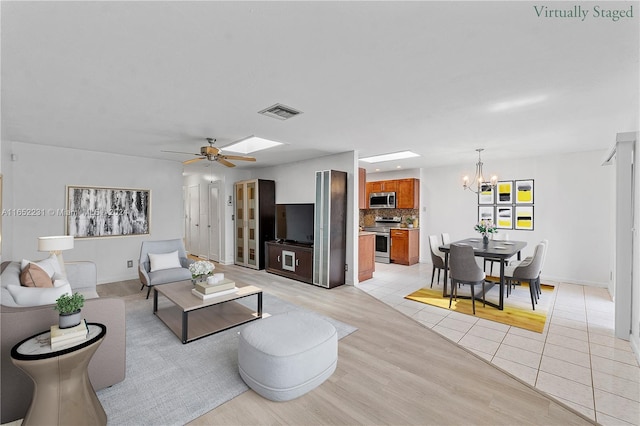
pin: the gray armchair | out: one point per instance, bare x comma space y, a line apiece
164, 276
465, 270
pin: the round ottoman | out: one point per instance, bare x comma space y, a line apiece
285, 356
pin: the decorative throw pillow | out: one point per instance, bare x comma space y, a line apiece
164, 261
30, 296
50, 265
34, 276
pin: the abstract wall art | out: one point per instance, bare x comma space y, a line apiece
524, 217
524, 191
107, 212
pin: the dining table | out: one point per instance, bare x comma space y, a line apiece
502, 250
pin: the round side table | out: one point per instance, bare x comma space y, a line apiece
62, 393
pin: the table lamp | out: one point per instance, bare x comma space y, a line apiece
55, 245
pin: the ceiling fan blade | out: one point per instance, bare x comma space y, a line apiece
193, 161
221, 160
180, 152
238, 157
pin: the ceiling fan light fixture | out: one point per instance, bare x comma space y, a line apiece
251, 144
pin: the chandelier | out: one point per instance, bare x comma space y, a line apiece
479, 183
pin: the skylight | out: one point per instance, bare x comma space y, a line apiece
251, 144
391, 156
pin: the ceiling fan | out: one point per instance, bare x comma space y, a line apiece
212, 153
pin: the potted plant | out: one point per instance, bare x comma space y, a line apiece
409, 221
69, 308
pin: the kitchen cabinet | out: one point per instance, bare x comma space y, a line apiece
405, 246
366, 255
290, 260
408, 194
363, 196
382, 186
407, 191
255, 220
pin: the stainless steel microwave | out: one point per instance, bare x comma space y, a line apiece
382, 200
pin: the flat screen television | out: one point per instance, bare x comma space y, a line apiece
294, 223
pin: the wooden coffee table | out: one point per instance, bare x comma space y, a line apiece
192, 318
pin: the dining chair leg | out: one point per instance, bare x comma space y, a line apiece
531, 292
438, 275
433, 273
473, 298
453, 289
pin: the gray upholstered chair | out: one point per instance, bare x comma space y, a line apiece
437, 257
163, 276
528, 270
464, 270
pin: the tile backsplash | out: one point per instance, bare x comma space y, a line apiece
368, 216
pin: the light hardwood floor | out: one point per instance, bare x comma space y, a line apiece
392, 370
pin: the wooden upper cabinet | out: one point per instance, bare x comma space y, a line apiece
382, 186
363, 194
408, 193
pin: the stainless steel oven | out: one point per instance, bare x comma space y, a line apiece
383, 247
383, 237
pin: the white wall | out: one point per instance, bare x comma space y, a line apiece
295, 183
38, 178
635, 285
572, 209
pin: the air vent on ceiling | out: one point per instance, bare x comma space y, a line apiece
279, 111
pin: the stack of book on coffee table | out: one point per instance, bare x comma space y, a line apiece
206, 291
63, 337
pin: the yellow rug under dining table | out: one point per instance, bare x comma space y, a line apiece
514, 314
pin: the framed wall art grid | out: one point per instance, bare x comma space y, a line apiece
509, 204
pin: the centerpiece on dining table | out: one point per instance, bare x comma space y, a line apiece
486, 227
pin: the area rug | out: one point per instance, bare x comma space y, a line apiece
517, 308
168, 383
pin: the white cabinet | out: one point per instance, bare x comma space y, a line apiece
255, 212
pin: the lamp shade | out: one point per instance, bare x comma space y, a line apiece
55, 243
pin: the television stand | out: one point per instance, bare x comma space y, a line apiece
290, 259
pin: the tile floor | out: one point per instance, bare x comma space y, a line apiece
576, 359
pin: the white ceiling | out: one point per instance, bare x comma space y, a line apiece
137, 78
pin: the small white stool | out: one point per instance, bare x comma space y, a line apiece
285, 356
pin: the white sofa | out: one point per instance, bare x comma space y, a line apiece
108, 364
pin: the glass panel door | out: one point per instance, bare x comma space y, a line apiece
252, 224
239, 224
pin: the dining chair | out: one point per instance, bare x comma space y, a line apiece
437, 257
528, 259
464, 270
446, 239
528, 270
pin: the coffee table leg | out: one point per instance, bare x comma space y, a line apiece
185, 326
260, 305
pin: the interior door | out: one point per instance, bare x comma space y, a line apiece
214, 222
193, 216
